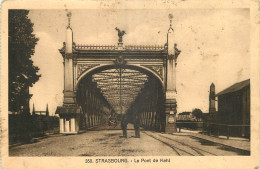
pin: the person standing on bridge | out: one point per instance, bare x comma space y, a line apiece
124, 125
137, 127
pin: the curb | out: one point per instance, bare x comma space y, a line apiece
214, 141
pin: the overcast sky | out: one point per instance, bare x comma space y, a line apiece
214, 44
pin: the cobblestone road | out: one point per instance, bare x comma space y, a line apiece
111, 143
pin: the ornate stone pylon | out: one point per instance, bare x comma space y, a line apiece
212, 108
69, 111
171, 92
68, 65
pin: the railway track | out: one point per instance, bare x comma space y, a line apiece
198, 150
180, 148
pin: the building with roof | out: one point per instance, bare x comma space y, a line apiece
189, 116
233, 114
184, 116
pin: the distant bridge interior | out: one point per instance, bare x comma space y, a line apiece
121, 90
102, 83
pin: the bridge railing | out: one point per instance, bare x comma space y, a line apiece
190, 125
95, 47
216, 129
228, 130
144, 47
113, 47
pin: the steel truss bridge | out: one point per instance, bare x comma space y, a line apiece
103, 80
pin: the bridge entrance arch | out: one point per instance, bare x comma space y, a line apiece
91, 70
124, 89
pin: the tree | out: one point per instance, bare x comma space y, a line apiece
22, 73
197, 113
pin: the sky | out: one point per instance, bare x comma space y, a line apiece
214, 44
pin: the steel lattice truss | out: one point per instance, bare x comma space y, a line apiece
120, 86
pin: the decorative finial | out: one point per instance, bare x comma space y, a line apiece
47, 110
33, 112
69, 17
170, 17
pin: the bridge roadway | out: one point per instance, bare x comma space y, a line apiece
111, 143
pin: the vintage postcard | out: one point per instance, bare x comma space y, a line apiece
130, 84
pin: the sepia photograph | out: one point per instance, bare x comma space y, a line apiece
128, 85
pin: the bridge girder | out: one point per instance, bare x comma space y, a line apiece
120, 86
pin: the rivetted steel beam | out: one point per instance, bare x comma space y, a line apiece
126, 72
107, 89
124, 84
109, 93
105, 77
123, 80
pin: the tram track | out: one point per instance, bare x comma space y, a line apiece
181, 148
177, 150
198, 150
